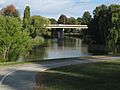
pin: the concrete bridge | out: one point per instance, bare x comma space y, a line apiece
58, 29
63, 26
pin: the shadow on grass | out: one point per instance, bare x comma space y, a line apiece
92, 76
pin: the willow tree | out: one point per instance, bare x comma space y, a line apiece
114, 36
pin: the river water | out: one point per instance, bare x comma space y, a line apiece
59, 48
68, 47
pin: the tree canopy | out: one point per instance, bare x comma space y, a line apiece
13, 41
72, 21
53, 21
10, 10
104, 28
38, 26
62, 19
86, 18
26, 18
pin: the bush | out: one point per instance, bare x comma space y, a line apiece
13, 41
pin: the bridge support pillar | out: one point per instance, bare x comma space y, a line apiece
58, 33
61, 33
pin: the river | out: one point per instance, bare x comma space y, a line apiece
68, 47
59, 48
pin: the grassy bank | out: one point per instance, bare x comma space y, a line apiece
92, 76
4, 64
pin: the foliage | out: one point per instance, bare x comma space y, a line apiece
34, 25
114, 36
10, 10
13, 41
53, 21
38, 26
79, 20
104, 28
86, 18
72, 21
26, 18
37, 40
62, 19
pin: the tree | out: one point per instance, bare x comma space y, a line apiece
86, 18
10, 10
79, 20
72, 21
100, 24
114, 30
26, 18
62, 19
53, 21
38, 26
102, 15
104, 28
13, 41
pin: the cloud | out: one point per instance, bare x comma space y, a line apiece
2, 1
53, 8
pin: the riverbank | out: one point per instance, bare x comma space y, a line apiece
103, 75
49, 61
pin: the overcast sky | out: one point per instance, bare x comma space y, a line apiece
54, 8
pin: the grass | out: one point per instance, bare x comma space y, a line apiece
92, 76
4, 64
49, 61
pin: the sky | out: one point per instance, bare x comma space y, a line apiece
54, 8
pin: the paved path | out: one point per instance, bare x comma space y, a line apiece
22, 77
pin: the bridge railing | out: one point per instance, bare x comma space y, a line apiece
67, 26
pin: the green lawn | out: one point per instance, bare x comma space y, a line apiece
7, 64
92, 76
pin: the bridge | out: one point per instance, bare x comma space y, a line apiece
63, 26
58, 31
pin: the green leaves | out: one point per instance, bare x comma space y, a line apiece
62, 19
13, 41
86, 18
38, 26
104, 28
10, 10
114, 35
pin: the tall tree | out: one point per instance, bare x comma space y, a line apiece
104, 28
62, 19
102, 15
86, 18
114, 31
10, 10
99, 25
26, 18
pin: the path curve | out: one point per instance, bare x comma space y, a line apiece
23, 77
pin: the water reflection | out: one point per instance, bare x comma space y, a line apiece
104, 50
59, 48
